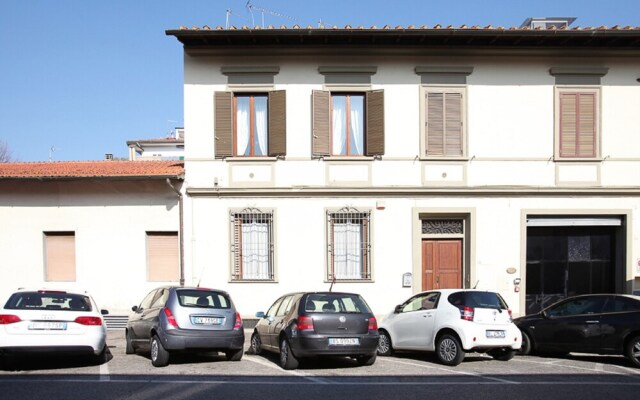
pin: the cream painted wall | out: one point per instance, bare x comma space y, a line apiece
110, 221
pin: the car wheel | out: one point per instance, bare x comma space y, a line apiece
504, 354
129, 344
449, 350
234, 355
287, 359
526, 347
159, 356
366, 360
255, 346
384, 344
632, 351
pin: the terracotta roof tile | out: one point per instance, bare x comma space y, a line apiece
409, 27
92, 169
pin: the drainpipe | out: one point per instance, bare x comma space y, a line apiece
180, 208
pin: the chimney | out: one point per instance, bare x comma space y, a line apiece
108, 157
548, 23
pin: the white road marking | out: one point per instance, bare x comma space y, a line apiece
300, 374
451, 371
104, 372
601, 370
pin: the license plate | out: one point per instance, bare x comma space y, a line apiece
496, 334
344, 341
48, 326
206, 320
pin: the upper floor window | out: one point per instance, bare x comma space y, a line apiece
250, 124
348, 244
444, 132
577, 123
348, 123
252, 246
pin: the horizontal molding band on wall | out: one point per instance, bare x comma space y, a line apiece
494, 191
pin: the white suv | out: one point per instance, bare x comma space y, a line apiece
451, 322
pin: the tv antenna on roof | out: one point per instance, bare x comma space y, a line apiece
250, 7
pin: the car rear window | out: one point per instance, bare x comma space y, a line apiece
335, 302
48, 301
203, 298
478, 300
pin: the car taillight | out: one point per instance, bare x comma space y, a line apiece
170, 317
466, 313
305, 323
238, 324
510, 315
92, 321
6, 319
373, 324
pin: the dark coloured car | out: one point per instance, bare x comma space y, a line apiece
172, 319
301, 325
598, 323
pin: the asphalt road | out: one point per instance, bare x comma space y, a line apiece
405, 376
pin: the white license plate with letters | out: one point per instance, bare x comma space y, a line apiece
344, 341
47, 326
207, 320
496, 334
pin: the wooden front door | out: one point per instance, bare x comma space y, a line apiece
441, 264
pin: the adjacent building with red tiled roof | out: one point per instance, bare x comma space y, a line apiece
92, 170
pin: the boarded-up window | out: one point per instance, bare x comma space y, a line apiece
163, 261
578, 124
348, 124
60, 256
250, 125
444, 124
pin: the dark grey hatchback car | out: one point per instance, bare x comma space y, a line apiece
300, 325
171, 319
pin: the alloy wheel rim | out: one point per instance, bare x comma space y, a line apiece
154, 350
636, 351
448, 349
254, 342
284, 353
383, 344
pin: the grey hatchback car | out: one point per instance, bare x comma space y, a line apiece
171, 319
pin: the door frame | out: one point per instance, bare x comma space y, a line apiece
467, 215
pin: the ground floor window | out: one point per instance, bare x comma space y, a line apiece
60, 256
163, 259
348, 245
252, 245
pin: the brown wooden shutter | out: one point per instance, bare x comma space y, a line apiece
277, 123
375, 123
444, 133
321, 140
163, 261
577, 125
60, 257
223, 120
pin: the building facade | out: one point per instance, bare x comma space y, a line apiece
387, 161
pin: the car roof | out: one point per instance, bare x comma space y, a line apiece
52, 290
450, 291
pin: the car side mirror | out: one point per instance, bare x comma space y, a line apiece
260, 314
104, 312
545, 315
398, 309
134, 308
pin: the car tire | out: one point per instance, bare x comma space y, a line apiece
287, 359
159, 356
503, 354
632, 351
234, 355
366, 360
255, 346
527, 345
385, 348
449, 350
129, 344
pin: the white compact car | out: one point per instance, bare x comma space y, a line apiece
52, 321
451, 322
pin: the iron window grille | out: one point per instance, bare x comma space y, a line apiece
348, 244
252, 245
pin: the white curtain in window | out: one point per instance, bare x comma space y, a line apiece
339, 126
261, 137
242, 130
356, 117
347, 250
255, 250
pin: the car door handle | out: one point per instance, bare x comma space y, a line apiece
426, 316
593, 322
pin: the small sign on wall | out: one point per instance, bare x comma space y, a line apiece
407, 279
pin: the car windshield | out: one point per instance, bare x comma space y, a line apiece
335, 302
478, 300
45, 300
203, 298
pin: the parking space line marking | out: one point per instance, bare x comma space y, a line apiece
559, 364
453, 371
104, 372
300, 374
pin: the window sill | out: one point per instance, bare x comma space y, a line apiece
439, 158
348, 158
577, 159
253, 281
350, 281
251, 159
